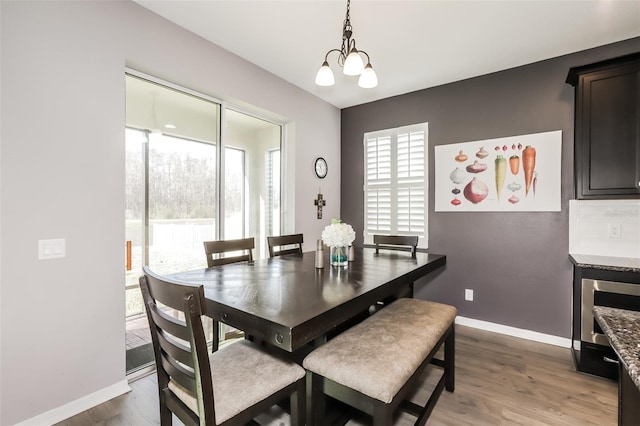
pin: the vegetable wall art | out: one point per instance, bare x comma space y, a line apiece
517, 173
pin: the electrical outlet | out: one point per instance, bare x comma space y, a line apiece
468, 295
615, 233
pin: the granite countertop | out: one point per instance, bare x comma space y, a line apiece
609, 263
622, 328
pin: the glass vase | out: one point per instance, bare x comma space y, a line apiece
338, 256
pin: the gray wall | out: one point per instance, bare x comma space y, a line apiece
517, 263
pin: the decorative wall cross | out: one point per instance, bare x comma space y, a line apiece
320, 203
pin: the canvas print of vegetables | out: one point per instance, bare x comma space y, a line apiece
517, 173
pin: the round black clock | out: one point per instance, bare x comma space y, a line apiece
320, 167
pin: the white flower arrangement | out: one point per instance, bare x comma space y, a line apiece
338, 234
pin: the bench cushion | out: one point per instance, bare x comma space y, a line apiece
379, 355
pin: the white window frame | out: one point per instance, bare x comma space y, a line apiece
381, 176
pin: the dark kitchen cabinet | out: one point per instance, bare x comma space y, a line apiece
628, 399
607, 128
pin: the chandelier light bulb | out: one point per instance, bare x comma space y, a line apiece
353, 65
324, 77
368, 79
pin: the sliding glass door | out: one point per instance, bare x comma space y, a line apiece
191, 179
182, 202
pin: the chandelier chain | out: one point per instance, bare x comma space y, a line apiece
347, 22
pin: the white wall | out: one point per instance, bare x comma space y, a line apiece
62, 176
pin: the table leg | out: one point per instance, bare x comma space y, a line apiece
315, 408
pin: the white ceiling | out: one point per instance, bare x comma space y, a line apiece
412, 44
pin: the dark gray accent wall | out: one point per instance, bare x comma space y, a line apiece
516, 263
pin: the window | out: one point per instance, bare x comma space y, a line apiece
395, 188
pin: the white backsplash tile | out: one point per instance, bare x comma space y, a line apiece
605, 227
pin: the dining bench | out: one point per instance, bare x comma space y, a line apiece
377, 363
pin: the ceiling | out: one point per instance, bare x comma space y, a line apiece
412, 44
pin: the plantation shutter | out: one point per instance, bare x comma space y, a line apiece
396, 182
378, 195
411, 183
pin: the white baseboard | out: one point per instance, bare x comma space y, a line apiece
515, 332
78, 406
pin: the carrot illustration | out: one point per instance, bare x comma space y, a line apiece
501, 173
514, 164
528, 166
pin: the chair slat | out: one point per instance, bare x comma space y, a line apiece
176, 350
182, 376
288, 251
219, 248
396, 242
280, 245
169, 293
168, 323
232, 259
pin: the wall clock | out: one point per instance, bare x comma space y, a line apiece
320, 167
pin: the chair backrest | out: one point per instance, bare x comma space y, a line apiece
285, 244
222, 247
396, 242
179, 345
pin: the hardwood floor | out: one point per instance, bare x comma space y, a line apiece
500, 380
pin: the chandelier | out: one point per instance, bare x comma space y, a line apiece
350, 59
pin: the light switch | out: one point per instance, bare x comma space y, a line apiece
51, 249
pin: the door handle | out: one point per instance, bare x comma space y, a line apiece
128, 264
610, 360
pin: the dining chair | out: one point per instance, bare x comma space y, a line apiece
226, 251
228, 387
396, 242
285, 244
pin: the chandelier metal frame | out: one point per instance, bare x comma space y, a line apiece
349, 59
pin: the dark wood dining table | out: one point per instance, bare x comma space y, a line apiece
288, 303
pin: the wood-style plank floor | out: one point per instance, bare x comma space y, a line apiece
500, 380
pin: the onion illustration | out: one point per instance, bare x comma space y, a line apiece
457, 176
514, 186
476, 191
476, 167
482, 153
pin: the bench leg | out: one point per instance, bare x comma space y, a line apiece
382, 415
298, 416
450, 359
